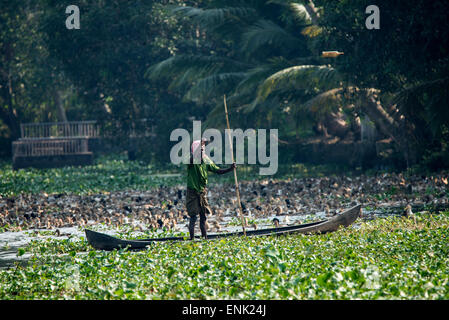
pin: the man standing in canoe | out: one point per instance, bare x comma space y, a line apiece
196, 199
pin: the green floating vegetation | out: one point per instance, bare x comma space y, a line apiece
391, 258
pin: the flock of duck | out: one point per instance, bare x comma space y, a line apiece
164, 207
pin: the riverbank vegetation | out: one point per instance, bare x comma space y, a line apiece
152, 67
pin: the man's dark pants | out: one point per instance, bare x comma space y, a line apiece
197, 204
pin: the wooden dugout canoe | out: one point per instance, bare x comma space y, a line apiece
102, 241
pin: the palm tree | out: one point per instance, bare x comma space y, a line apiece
261, 56
264, 55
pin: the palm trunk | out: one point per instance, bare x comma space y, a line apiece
60, 106
387, 125
9, 115
12, 122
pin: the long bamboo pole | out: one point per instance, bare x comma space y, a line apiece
235, 169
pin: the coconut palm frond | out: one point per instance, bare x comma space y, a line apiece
183, 81
300, 13
280, 2
416, 91
167, 68
324, 102
239, 112
214, 17
266, 33
216, 117
180, 63
214, 85
200, 63
307, 77
252, 79
256, 75
184, 70
297, 10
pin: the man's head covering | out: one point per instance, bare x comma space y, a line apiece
196, 144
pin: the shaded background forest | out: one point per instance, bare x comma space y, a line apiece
384, 102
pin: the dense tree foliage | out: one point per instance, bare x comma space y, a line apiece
171, 61
30, 83
107, 58
272, 66
260, 54
407, 60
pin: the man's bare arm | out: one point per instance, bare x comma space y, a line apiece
222, 171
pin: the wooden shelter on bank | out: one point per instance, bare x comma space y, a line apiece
54, 144
72, 143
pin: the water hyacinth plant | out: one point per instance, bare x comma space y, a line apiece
391, 258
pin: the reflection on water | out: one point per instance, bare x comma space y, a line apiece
9, 258
11, 242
